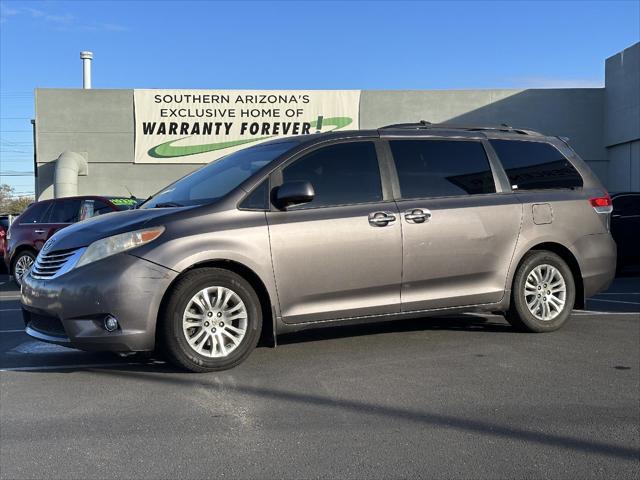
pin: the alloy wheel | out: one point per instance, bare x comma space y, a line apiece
545, 292
22, 266
215, 321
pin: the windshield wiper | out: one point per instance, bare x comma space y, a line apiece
167, 205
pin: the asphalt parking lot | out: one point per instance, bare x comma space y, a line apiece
458, 397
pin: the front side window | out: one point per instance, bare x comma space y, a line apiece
341, 174
35, 213
258, 199
535, 165
441, 168
218, 178
64, 211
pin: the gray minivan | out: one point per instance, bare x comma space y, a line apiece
357, 226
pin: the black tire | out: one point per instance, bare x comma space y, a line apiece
170, 333
14, 263
519, 314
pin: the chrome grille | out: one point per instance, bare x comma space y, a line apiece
51, 264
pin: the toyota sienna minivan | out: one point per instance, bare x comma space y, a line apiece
405, 221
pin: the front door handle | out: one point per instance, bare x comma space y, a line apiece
417, 215
381, 219
38, 231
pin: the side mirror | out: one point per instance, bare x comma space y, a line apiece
293, 193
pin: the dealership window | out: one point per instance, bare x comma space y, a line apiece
441, 168
535, 165
35, 213
341, 174
65, 211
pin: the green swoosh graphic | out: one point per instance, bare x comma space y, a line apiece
168, 150
338, 122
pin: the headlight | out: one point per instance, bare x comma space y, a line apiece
118, 243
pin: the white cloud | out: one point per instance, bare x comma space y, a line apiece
63, 21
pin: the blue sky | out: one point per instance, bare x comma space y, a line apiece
359, 45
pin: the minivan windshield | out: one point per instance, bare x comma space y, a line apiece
218, 178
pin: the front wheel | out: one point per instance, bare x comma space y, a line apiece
543, 293
21, 265
212, 320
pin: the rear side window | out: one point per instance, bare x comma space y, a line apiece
64, 211
441, 168
92, 208
536, 165
341, 174
35, 213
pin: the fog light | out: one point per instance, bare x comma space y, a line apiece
110, 323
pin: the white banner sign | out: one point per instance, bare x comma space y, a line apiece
198, 126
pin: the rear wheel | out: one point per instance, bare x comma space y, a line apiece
21, 265
543, 293
211, 322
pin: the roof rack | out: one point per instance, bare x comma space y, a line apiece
424, 125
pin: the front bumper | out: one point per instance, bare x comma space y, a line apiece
69, 310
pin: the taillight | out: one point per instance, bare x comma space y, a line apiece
602, 204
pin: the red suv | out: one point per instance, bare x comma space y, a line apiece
5, 221
40, 220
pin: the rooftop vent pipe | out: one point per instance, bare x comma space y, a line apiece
86, 69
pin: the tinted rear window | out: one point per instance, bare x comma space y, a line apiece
35, 213
64, 211
441, 168
536, 165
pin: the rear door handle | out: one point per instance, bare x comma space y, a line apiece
38, 231
417, 215
381, 219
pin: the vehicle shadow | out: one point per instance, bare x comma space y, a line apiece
462, 323
357, 407
71, 360
154, 371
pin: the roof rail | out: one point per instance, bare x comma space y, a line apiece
424, 125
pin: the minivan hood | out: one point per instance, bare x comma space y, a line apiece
84, 233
